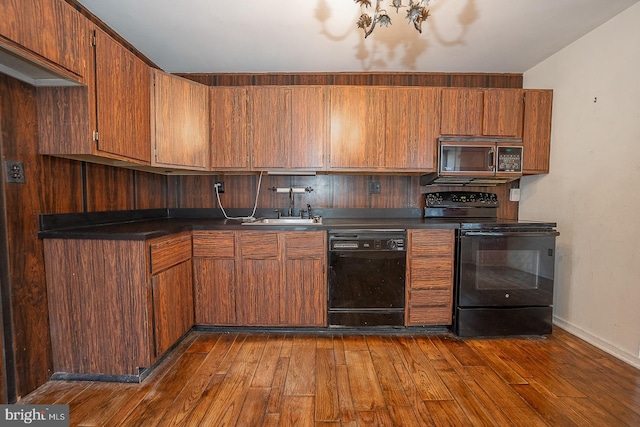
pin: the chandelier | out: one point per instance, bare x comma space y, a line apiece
416, 14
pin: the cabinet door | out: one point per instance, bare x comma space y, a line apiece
49, 28
412, 122
357, 128
482, 112
288, 127
229, 150
304, 288
502, 113
123, 98
259, 276
462, 111
270, 118
430, 261
214, 280
180, 122
308, 127
172, 305
537, 131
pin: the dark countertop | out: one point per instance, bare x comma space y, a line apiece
149, 224
153, 223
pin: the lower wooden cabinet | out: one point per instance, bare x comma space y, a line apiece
115, 306
172, 305
260, 278
430, 260
214, 280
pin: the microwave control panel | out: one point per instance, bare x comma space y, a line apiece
509, 159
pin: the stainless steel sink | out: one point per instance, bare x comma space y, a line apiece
286, 221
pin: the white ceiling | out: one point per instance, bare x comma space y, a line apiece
255, 36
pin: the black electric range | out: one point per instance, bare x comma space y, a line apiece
504, 268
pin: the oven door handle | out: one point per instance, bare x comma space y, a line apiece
511, 233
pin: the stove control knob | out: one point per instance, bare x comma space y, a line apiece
392, 244
507, 295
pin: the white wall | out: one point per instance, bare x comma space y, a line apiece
593, 188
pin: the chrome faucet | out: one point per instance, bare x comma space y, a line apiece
291, 204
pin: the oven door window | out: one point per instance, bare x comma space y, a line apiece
506, 271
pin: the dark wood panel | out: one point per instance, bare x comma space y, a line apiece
51, 185
150, 190
64, 121
109, 188
492, 80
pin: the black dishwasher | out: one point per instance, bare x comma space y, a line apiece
367, 270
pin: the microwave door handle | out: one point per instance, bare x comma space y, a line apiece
492, 157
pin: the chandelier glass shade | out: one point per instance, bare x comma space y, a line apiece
417, 13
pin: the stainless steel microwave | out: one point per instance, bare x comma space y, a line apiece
477, 162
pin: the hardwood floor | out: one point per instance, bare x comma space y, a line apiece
249, 379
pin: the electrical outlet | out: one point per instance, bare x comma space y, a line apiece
374, 188
14, 172
220, 186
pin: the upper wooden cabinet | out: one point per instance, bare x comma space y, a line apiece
388, 129
288, 127
106, 121
411, 128
357, 128
537, 130
46, 29
180, 123
482, 112
123, 102
229, 148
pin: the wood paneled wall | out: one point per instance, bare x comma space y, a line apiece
495, 80
52, 185
329, 191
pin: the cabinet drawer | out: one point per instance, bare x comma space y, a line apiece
428, 243
429, 272
430, 298
168, 252
305, 245
214, 244
259, 245
422, 316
